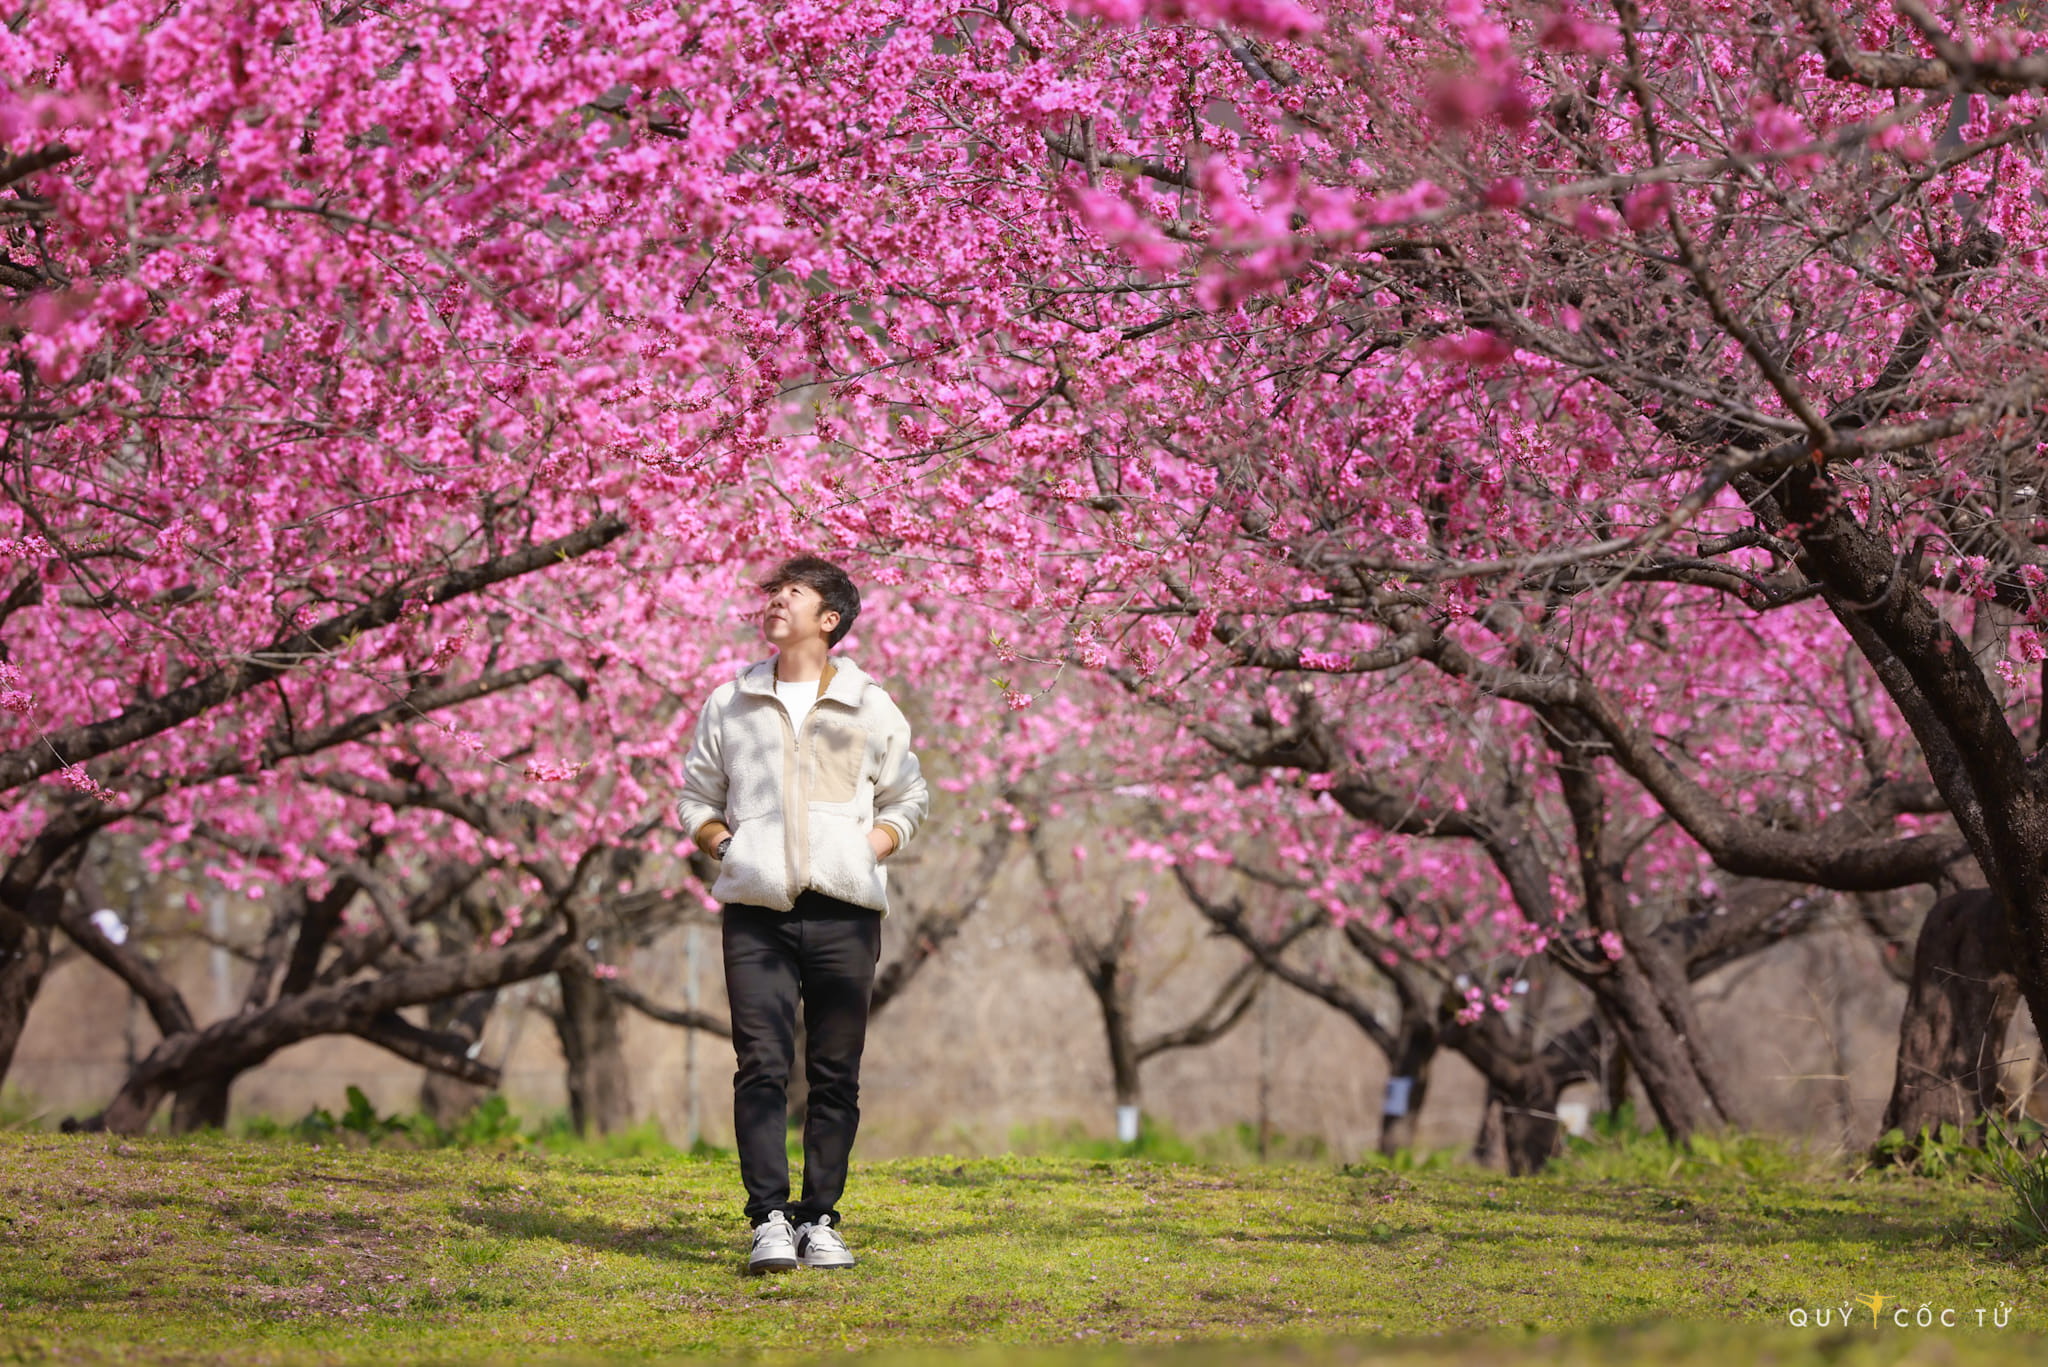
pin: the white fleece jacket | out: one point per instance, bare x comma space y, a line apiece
799, 805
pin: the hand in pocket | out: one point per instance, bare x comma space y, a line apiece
878, 842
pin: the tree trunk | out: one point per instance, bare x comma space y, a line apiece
600, 1089
24, 959
1523, 1084
1681, 1096
1528, 1121
1613, 1067
1998, 803
1646, 994
1123, 1058
1959, 1010
447, 1100
1415, 1046
799, 1090
367, 1008
203, 1104
1113, 995
25, 955
1486, 1145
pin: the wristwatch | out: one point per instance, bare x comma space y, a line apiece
723, 846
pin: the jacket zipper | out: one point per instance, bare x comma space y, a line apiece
796, 854
803, 807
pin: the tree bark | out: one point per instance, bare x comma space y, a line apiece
600, 1088
1523, 1085
1664, 1046
1524, 1095
364, 1008
798, 1093
24, 959
1530, 1130
1959, 1010
1972, 753
446, 1100
1112, 995
203, 1104
32, 893
1415, 1046
1646, 994
1487, 1143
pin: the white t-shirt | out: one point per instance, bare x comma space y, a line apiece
797, 697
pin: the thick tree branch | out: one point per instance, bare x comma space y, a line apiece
157, 715
668, 1015
1953, 69
241, 1042
1217, 1018
166, 1004
439, 1050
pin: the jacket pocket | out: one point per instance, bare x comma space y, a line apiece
756, 867
843, 864
839, 752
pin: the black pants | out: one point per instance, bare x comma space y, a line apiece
822, 952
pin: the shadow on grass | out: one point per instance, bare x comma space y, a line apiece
1671, 1218
680, 1239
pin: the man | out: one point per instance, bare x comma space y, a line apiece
801, 782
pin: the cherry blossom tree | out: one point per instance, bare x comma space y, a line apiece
1104, 925
387, 311
1512, 344
1313, 377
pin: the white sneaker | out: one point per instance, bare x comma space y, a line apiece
819, 1245
774, 1245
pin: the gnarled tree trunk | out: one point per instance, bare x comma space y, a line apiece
1646, 994
1664, 1041
1408, 1066
1959, 1010
1522, 1087
203, 1104
367, 1008
593, 1046
1519, 1124
446, 1100
32, 893
24, 959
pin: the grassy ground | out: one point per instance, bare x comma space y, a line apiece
213, 1250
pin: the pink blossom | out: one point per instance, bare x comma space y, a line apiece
1115, 221
1267, 18
1568, 32
14, 695
448, 648
1596, 221
1644, 206
75, 776
1506, 193
1474, 348
1905, 141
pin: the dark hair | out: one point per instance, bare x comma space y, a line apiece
831, 583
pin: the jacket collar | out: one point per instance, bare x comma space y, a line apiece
841, 681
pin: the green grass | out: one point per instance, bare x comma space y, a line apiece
208, 1250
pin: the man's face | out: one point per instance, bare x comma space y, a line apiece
796, 613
